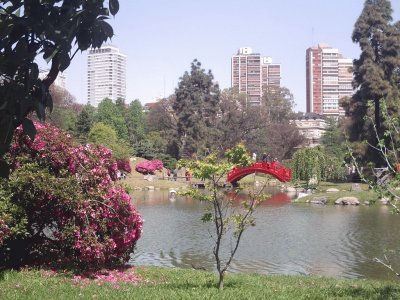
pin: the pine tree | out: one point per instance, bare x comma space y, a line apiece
376, 72
84, 122
197, 98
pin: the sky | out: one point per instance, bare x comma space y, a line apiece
161, 39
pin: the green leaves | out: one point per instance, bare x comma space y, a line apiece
29, 128
207, 217
55, 29
113, 5
309, 163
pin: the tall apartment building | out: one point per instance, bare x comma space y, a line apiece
328, 79
251, 71
106, 74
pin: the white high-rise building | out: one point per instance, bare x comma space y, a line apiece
106, 74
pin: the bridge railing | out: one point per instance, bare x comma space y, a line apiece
274, 168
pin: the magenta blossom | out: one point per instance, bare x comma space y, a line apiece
72, 205
149, 166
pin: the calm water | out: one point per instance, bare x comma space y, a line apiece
287, 239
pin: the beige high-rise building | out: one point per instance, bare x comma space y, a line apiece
106, 74
251, 71
328, 79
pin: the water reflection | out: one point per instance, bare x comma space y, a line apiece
287, 239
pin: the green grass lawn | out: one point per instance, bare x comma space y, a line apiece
173, 283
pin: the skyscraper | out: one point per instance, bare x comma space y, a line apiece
328, 79
250, 72
106, 74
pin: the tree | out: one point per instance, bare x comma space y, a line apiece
111, 114
103, 134
309, 164
195, 106
334, 139
235, 121
279, 104
57, 30
161, 117
229, 216
84, 122
264, 128
135, 122
65, 109
376, 72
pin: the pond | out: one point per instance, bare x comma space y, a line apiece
289, 238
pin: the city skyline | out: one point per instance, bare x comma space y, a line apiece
162, 39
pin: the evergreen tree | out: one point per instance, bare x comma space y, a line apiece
84, 122
196, 104
376, 72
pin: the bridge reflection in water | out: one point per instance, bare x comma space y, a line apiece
276, 197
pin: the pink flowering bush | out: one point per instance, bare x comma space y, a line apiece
149, 166
63, 204
124, 165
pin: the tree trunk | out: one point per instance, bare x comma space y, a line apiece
221, 281
377, 117
378, 129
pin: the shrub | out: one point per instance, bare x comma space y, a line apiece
60, 204
124, 165
149, 166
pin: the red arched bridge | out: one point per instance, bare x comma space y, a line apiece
275, 169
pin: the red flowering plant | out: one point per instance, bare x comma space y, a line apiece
60, 204
124, 165
149, 166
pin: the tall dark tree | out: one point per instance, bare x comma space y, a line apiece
84, 122
196, 107
56, 29
376, 72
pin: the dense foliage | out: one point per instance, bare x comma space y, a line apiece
56, 29
60, 204
309, 164
263, 128
376, 72
195, 107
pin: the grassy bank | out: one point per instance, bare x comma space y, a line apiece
166, 283
135, 180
